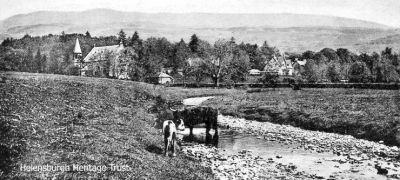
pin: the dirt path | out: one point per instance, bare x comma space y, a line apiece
296, 154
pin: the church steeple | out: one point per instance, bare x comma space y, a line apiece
77, 53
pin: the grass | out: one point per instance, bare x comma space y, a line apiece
67, 120
70, 120
363, 113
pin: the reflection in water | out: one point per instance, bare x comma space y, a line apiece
200, 136
321, 164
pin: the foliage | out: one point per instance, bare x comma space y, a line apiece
269, 78
218, 61
122, 37
308, 72
194, 44
332, 73
359, 73
53, 54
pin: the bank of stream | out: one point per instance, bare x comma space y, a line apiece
251, 149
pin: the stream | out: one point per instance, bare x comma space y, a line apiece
283, 149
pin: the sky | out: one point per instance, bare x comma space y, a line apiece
381, 11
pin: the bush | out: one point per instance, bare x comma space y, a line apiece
359, 73
269, 78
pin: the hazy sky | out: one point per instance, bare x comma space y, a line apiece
381, 11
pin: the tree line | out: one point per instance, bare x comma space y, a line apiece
222, 61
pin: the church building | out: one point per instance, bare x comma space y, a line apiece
104, 61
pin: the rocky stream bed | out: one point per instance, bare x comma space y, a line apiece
272, 151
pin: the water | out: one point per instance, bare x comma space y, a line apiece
321, 164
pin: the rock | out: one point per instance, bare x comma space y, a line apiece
278, 156
381, 170
223, 158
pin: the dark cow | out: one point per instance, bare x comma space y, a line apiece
169, 132
198, 115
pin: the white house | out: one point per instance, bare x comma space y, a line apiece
165, 78
255, 72
280, 65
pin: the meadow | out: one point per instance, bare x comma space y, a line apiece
65, 120
363, 113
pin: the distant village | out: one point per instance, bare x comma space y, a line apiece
157, 60
94, 63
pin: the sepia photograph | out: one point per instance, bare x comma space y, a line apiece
199, 89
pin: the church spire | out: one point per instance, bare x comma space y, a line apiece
77, 53
77, 49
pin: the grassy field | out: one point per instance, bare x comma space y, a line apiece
363, 113
66, 120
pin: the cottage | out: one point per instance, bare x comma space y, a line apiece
164, 78
255, 72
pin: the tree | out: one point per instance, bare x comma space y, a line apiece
43, 63
38, 62
181, 54
239, 65
194, 44
255, 57
308, 55
268, 52
344, 55
217, 64
269, 78
196, 72
308, 72
330, 54
63, 37
359, 72
28, 62
87, 34
122, 37
135, 41
332, 73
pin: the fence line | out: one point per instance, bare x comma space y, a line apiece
389, 86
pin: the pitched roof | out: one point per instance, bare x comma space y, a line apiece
77, 49
302, 63
99, 51
163, 75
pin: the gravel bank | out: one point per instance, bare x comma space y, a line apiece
356, 153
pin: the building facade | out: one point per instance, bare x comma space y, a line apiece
106, 61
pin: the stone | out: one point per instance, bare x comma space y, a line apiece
381, 170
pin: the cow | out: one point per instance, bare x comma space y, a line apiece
198, 115
169, 131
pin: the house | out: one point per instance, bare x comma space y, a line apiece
255, 72
279, 65
163, 78
105, 61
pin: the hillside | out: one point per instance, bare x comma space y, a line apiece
66, 120
289, 32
